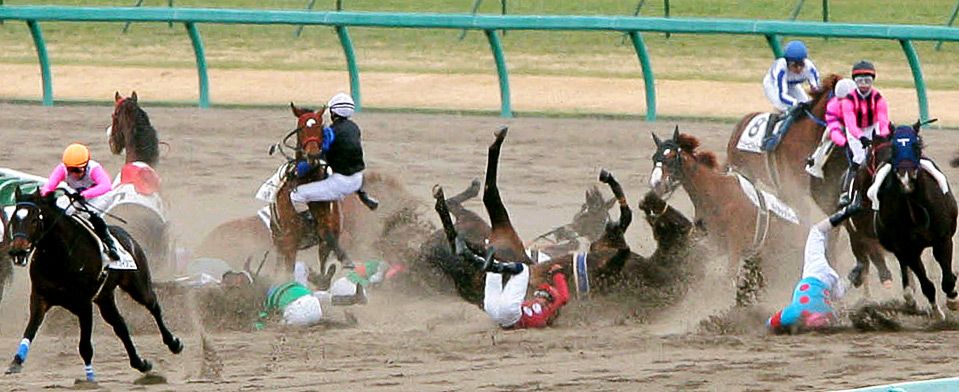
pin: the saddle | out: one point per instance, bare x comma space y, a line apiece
126, 261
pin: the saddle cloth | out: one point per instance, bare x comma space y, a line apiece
772, 202
751, 139
126, 261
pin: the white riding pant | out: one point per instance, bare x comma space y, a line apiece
856, 147
815, 264
772, 93
504, 304
335, 187
304, 311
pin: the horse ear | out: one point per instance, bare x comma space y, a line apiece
298, 111
133, 96
656, 140
116, 97
676, 133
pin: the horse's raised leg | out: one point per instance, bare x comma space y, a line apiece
110, 313
943, 254
860, 251
455, 202
38, 309
879, 261
442, 208
503, 236
327, 216
141, 290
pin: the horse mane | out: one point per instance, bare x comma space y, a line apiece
825, 88
691, 143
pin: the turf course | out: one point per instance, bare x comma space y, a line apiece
681, 57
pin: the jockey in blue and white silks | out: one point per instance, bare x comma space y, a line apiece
783, 83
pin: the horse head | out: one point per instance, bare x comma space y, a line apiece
672, 159
904, 150
590, 219
130, 130
818, 98
310, 138
669, 226
29, 223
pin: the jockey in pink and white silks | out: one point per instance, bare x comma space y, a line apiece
865, 113
835, 128
343, 153
783, 84
820, 285
91, 180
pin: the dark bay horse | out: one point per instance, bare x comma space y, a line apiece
326, 215
783, 168
732, 220
137, 197
65, 270
913, 212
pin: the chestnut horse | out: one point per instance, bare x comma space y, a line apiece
326, 214
913, 213
136, 196
731, 218
783, 168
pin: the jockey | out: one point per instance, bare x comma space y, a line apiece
505, 303
91, 180
344, 154
834, 127
864, 113
783, 83
819, 286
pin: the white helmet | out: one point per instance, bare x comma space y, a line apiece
844, 87
341, 105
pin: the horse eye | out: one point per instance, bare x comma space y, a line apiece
311, 122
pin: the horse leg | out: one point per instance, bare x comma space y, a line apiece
442, 208
141, 290
84, 313
38, 309
455, 203
914, 261
110, 313
328, 228
860, 250
503, 236
943, 254
879, 261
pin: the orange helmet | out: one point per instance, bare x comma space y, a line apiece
76, 155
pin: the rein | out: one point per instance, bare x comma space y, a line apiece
873, 164
814, 118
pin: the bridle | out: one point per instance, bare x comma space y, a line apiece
674, 164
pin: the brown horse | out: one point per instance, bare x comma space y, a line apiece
733, 221
913, 212
783, 168
137, 199
326, 215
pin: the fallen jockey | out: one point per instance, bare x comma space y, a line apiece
506, 303
820, 285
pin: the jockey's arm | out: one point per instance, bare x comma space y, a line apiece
784, 88
56, 176
103, 183
882, 116
812, 74
559, 290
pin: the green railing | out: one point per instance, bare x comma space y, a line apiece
190, 17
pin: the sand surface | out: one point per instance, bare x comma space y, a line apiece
218, 157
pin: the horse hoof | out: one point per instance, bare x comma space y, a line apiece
145, 366
855, 277
604, 176
176, 346
438, 192
887, 284
501, 133
952, 304
14, 368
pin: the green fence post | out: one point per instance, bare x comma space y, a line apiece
506, 109
476, 5
44, 61
825, 11
204, 101
952, 18
913, 59
775, 45
354, 71
648, 78
666, 13
126, 26
299, 29
796, 10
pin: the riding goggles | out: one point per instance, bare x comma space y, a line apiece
864, 80
796, 63
76, 170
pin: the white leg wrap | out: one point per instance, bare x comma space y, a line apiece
940, 178
873, 192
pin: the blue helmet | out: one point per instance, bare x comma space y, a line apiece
795, 51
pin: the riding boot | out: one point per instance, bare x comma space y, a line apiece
815, 163
846, 191
773, 135
483, 263
506, 268
368, 201
846, 212
100, 227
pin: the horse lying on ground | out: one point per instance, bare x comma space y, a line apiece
610, 260
914, 212
65, 270
739, 222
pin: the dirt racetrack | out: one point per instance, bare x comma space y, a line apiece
217, 158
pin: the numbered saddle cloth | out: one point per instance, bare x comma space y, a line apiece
751, 139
